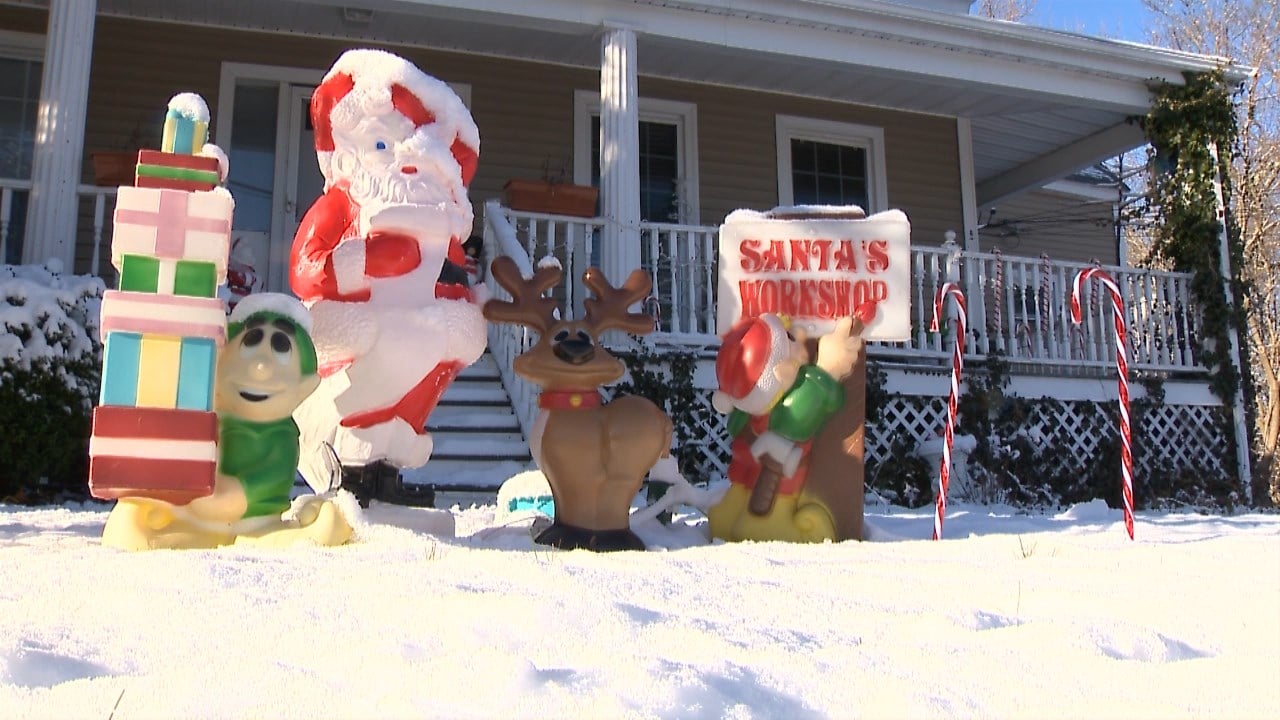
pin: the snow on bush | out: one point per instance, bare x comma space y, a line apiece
49, 321
50, 361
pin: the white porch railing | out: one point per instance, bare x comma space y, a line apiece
1018, 306
95, 208
507, 341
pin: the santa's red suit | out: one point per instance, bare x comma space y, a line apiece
378, 258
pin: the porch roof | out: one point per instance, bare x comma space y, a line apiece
1041, 103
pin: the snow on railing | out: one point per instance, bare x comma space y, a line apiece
95, 200
507, 341
1018, 306
680, 260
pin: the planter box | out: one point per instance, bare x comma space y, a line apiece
111, 167
551, 198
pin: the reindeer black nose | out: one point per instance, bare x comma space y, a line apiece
575, 350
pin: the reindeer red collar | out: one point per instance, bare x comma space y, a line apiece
594, 456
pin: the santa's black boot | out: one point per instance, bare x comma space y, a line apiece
393, 489
361, 481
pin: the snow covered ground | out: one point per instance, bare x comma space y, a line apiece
453, 614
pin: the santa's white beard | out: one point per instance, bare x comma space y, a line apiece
373, 188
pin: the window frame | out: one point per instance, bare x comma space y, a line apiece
870, 138
21, 45
684, 115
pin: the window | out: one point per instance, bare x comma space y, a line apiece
659, 178
821, 162
21, 56
668, 156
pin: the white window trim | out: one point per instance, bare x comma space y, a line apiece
21, 46
683, 115
868, 137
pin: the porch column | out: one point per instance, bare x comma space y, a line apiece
619, 154
59, 149
1244, 440
973, 291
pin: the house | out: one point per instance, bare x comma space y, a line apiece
699, 107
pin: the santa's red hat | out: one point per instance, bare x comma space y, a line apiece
749, 354
364, 83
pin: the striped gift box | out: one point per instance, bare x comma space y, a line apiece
182, 133
160, 371
173, 225
169, 455
190, 173
175, 315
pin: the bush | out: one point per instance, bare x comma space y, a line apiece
50, 361
903, 477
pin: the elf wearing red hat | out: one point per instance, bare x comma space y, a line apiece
378, 259
777, 402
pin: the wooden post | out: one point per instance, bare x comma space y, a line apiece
837, 467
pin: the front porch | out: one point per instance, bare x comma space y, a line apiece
1018, 313
1017, 306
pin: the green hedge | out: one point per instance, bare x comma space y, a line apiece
50, 360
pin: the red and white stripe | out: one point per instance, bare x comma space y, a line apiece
957, 364
1122, 366
1044, 294
159, 453
999, 298
152, 313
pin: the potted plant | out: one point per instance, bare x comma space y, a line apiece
551, 195
117, 167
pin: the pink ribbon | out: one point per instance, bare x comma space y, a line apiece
172, 223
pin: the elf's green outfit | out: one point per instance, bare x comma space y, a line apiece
812, 399
263, 457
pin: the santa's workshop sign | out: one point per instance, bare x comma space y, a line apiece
816, 268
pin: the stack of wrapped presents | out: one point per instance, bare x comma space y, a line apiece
154, 430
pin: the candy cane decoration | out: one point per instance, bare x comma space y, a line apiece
1044, 298
1122, 365
957, 364
653, 306
999, 296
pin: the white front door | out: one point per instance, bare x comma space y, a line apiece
303, 182
263, 126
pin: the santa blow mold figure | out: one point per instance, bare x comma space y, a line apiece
378, 259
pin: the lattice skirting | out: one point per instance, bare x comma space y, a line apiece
1166, 438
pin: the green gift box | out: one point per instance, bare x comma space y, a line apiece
144, 273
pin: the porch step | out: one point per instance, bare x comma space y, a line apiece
464, 474
474, 392
478, 443
474, 417
481, 442
486, 368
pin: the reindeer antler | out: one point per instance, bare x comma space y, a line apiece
527, 306
608, 309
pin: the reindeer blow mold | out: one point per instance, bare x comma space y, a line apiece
595, 456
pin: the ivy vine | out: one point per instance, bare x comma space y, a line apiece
1184, 121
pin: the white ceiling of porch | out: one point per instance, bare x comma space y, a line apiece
1013, 127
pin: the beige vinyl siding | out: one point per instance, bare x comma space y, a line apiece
738, 165
524, 111
1064, 225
